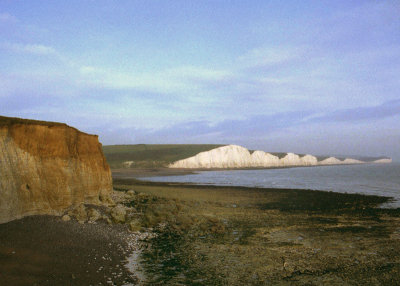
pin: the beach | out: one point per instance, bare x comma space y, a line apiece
209, 235
44, 250
254, 236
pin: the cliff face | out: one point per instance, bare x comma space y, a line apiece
383, 161
233, 156
48, 167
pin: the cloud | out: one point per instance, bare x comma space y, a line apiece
224, 131
199, 73
269, 56
180, 81
262, 126
384, 110
35, 49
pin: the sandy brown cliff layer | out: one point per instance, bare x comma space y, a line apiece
47, 167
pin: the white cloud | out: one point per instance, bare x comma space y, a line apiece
88, 70
199, 73
35, 49
38, 49
269, 56
177, 80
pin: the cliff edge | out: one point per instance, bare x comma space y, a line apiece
47, 167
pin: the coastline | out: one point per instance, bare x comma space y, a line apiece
278, 222
165, 171
227, 235
338, 178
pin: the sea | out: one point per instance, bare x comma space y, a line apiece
370, 179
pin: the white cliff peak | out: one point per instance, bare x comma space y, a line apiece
235, 156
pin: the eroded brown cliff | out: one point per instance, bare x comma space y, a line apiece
47, 167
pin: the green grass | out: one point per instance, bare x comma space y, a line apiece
151, 155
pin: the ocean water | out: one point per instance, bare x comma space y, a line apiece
373, 179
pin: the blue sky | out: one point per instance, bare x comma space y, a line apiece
319, 77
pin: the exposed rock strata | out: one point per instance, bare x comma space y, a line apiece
47, 167
233, 156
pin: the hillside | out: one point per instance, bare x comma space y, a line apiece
151, 155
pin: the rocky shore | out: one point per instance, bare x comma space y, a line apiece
88, 245
177, 234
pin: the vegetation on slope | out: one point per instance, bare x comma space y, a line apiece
151, 155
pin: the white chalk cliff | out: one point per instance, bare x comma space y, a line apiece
383, 161
234, 156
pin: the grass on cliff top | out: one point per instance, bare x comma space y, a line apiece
8, 121
151, 155
15, 120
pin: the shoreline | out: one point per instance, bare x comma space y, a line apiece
48, 251
140, 175
165, 171
139, 182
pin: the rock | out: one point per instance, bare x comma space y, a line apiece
47, 167
118, 197
106, 199
93, 215
135, 225
118, 214
131, 193
79, 213
66, 218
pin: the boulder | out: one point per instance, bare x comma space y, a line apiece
118, 214
93, 215
66, 218
134, 225
79, 213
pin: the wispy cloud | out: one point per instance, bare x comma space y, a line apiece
269, 56
262, 126
36, 49
384, 110
176, 80
199, 73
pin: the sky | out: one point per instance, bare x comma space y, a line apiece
318, 77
